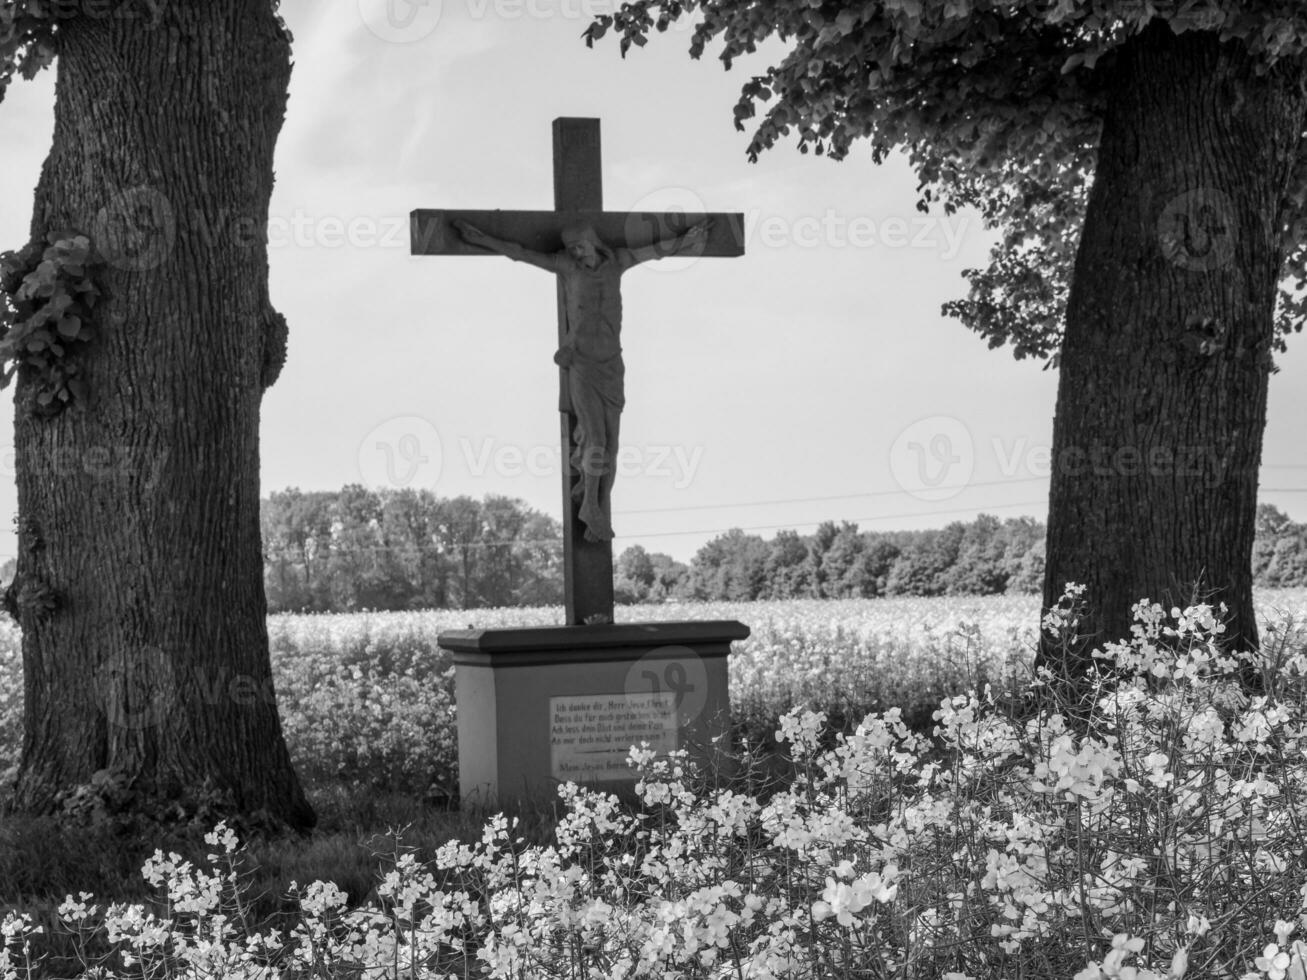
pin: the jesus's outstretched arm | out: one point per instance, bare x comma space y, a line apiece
520, 253
694, 237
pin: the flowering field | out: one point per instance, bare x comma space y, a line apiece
368, 697
1157, 837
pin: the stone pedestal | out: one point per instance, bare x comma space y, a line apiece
539, 707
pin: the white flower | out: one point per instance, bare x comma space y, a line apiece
221, 836
845, 901
76, 911
1273, 962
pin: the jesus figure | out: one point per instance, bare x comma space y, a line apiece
591, 351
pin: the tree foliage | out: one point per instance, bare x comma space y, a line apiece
357, 548
997, 104
27, 38
1280, 552
983, 557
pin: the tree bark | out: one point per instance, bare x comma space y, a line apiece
1161, 402
139, 506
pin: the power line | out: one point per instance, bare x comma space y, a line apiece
838, 496
856, 520
887, 493
789, 526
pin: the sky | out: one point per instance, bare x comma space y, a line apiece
812, 379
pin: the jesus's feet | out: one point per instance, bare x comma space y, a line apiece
597, 525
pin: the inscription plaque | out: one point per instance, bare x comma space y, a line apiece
590, 736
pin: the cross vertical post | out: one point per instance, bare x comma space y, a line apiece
588, 576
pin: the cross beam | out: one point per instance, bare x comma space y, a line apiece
578, 199
433, 232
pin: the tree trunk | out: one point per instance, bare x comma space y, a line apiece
1162, 397
152, 663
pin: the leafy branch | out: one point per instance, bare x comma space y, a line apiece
27, 39
47, 295
997, 106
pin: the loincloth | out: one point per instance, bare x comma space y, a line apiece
606, 378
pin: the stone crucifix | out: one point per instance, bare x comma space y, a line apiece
588, 249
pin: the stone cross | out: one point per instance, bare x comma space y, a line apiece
578, 200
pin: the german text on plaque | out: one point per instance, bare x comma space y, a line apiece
590, 736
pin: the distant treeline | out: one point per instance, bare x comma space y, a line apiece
339, 551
